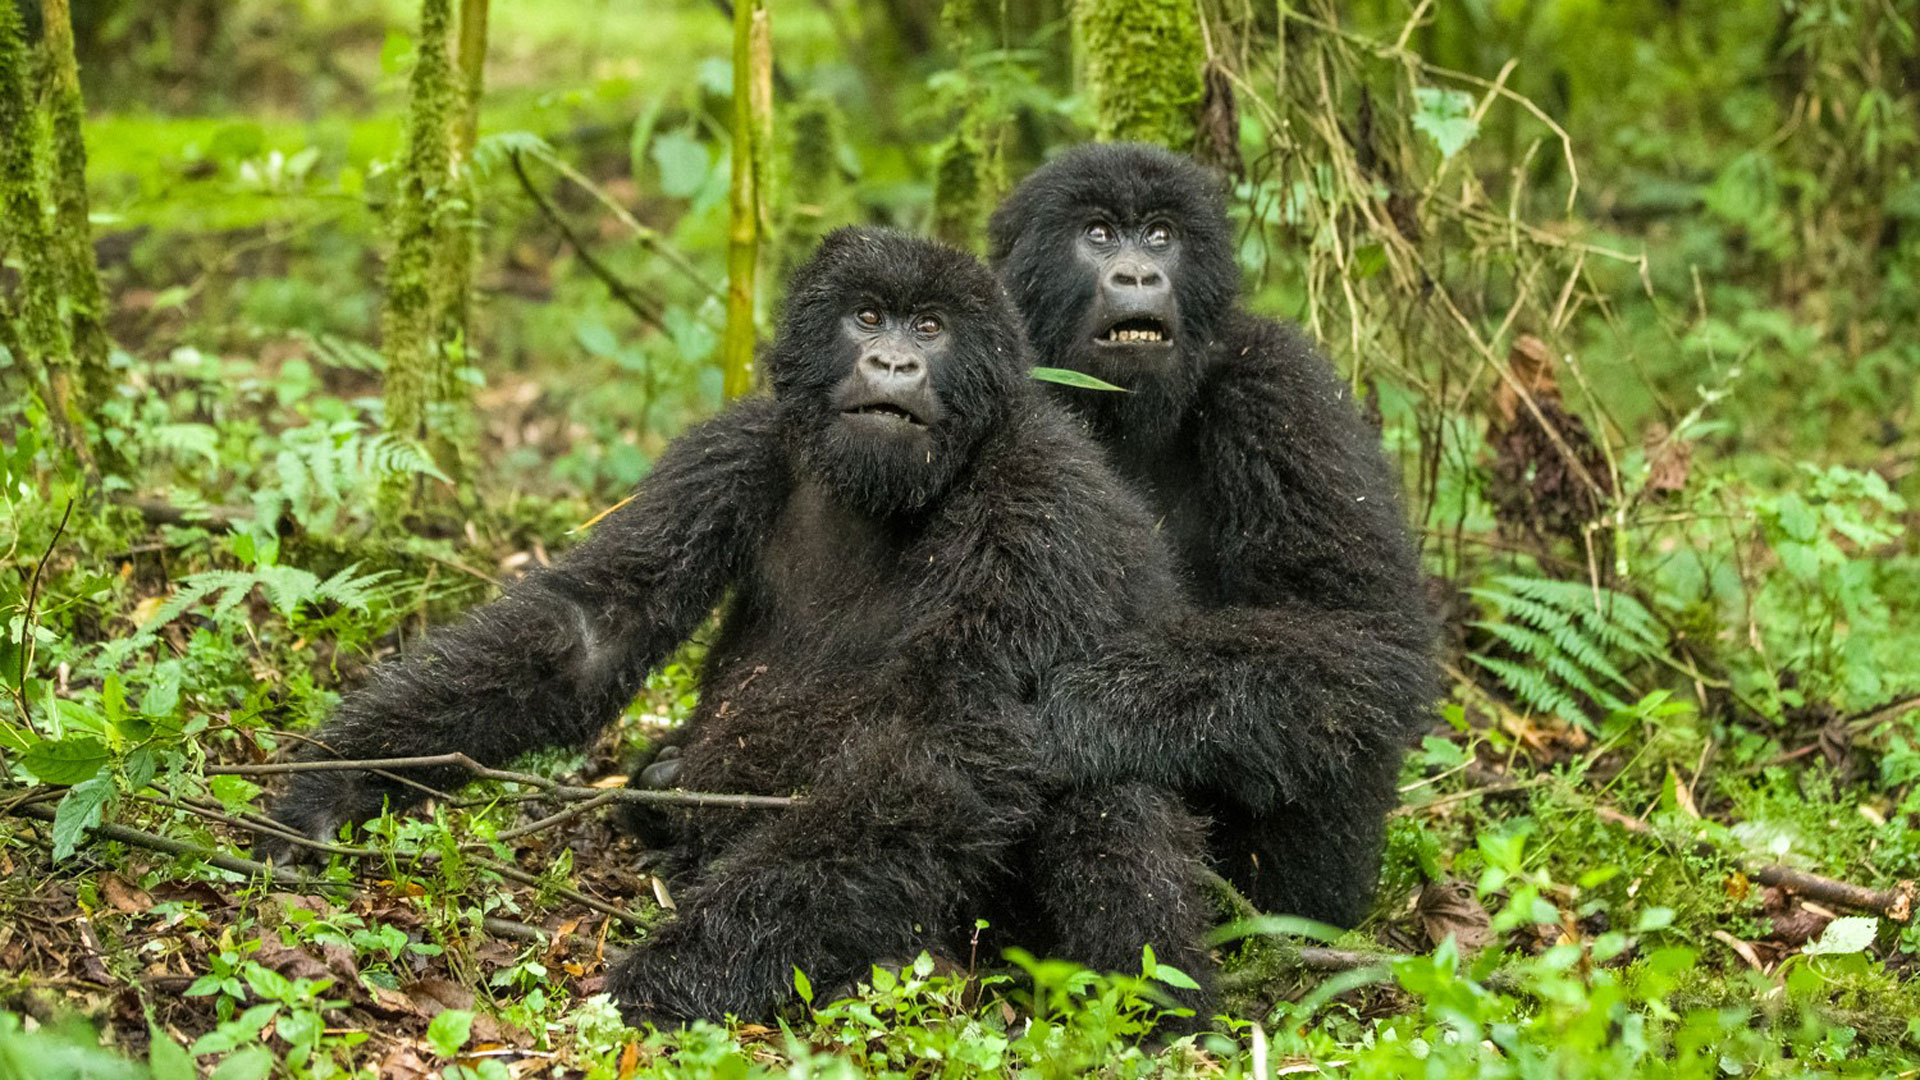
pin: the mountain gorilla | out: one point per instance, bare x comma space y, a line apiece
913, 539
1283, 706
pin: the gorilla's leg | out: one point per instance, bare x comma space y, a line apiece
874, 864
1116, 869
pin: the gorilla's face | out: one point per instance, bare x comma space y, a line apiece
1133, 321
1119, 259
895, 358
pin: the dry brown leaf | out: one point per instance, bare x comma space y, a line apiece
125, 898
1450, 907
432, 995
1669, 460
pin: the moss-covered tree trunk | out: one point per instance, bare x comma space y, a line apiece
1141, 63
752, 117
72, 234
419, 384
37, 333
961, 191
969, 165
460, 236
811, 184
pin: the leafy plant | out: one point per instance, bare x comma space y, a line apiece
1569, 645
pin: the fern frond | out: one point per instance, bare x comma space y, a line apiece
357, 593
1530, 686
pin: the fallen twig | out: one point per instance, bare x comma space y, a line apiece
1502, 788
552, 788
140, 838
1896, 903
293, 879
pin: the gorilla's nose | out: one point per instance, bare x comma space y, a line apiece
894, 369
1137, 278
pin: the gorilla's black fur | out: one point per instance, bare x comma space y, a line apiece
900, 590
1282, 707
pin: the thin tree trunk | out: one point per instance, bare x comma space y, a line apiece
72, 234
460, 238
752, 81
36, 331
416, 380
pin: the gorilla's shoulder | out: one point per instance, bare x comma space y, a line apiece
1042, 451
1262, 365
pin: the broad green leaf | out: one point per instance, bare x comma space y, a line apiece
683, 161
1654, 918
236, 793
79, 810
167, 1059
252, 1063
66, 761
1446, 118
1852, 934
802, 986
1078, 379
448, 1032
1174, 977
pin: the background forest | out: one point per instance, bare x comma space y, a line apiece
315, 328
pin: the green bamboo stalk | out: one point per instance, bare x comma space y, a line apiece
72, 236
743, 205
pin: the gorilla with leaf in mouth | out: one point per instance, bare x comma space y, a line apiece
1283, 705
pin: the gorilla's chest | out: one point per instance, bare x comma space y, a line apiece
831, 578
1171, 483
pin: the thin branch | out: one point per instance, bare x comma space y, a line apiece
140, 838
551, 787
1896, 903
26, 620
1471, 793
560, 818
649, 238
294, 879
645, 309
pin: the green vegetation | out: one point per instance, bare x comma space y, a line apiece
1631, 288
1141, 67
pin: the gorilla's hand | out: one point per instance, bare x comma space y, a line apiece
664, 773
315, 806
658, 827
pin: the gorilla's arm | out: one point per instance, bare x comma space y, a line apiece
1316, 663
558, 657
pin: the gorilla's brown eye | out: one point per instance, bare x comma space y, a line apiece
1159, 235
1100, 233
868, 317
927, 325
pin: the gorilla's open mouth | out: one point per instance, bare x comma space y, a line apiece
1137, 330
887, 412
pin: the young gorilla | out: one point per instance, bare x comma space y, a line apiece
1284, 705
913, 538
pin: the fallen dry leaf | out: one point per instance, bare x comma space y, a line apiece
1450, 907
